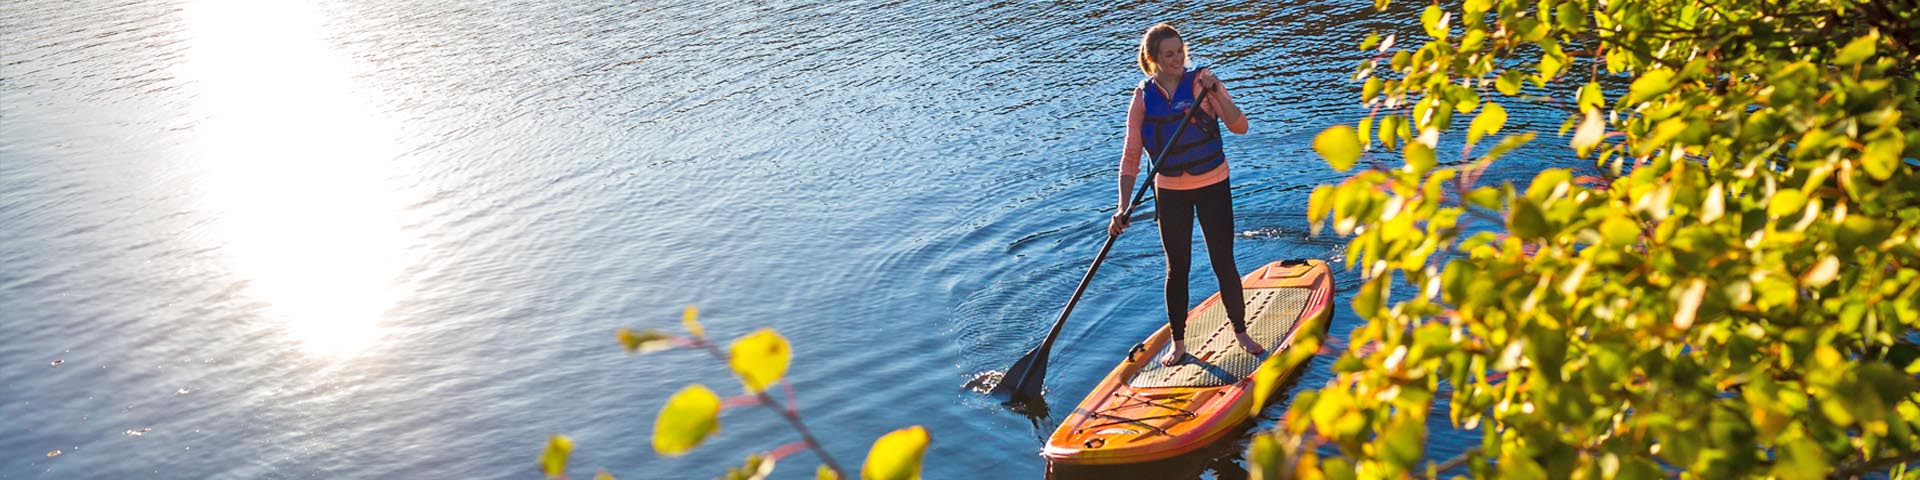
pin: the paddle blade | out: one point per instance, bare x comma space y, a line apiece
1023, 381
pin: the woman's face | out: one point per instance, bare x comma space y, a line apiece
1170, 56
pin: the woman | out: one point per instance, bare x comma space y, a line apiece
1192, 178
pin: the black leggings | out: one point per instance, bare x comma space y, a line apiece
1176, 211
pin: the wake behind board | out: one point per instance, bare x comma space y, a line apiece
1146, 411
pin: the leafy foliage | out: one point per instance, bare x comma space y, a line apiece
759, 360
1730, 286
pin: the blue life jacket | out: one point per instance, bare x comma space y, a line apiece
1198, 148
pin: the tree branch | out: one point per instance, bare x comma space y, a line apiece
1855, 469
789, 412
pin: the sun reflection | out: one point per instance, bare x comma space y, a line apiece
299, 169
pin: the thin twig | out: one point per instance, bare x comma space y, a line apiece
1855, 469
788, 412
1454, 462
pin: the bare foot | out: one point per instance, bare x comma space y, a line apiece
1247, 343
1175, 355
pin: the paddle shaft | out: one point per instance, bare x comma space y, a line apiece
1138, 194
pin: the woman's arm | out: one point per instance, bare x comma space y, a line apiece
1129, 160
1220, 103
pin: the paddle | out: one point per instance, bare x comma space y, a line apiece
1023, 380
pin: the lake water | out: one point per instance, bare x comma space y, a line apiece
394, 239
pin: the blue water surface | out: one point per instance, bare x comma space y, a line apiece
394, 239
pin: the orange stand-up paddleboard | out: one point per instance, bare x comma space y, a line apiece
1146, 411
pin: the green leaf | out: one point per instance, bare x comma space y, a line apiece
1266, 458
1488, 122
1509, 82
1526, 221
896, 455
553, 460
760, 359
1882, 156
687, 419
643, 342
1473, 40
1485, 197
1856, 51
1552, 60
1435, 22
1591, 97
1367, 300
1318, 204
690, 318
1340, 145
1336, 468
1366, 132
1570, 17
1371, 40
1402, 441
1420, 158
1786, 202
1277, 366
1649, 85
1547, 182
1390, 128
1508, 144
1858, 231
1619, 231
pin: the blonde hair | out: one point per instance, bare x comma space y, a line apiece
1153, 37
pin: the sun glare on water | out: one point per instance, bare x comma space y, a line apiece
300, 170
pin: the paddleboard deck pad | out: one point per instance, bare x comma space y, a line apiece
1145, 410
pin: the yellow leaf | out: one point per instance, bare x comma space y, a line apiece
896, 455
1856, 51
689, 417
1267, 458
824, 473
603, 475
1785, 202
760, 359
1277, 366
1420, 158
1340, 145
1590, 97
690, 318
553, 461
1488, 122
1649, 85
1882, 156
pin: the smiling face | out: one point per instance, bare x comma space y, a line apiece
1162, 51
1170, 56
